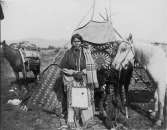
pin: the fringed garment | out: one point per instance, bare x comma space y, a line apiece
75, 60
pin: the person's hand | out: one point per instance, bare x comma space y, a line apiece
84, 71
68, 71
78, 76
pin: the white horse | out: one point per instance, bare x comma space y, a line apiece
153, 59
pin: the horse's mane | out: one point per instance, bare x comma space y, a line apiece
10, 52
11, 48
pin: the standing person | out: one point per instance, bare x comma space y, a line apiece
80, 79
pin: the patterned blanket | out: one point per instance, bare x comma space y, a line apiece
49, 93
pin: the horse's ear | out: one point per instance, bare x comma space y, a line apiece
130, 38
3, 42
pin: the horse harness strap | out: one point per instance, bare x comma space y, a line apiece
130, 46
128, 51
22, 56
23, 60
125, 57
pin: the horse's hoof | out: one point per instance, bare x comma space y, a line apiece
38, 78
127, 117
104, 114
158, 123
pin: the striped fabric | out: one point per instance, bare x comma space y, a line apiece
90, 69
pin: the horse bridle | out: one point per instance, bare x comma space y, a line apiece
127, 52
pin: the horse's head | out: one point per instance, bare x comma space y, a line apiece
4, 48
2, 45
124, 56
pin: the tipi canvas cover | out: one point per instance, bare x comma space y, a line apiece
97, 32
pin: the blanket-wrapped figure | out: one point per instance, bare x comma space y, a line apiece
80, 79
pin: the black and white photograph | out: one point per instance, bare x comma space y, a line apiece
83, 64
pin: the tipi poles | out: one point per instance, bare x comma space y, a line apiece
118, 34
93, 10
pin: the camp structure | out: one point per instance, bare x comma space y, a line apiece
100, 34
102, 38
97, 32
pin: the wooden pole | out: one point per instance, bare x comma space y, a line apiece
102, 17
93, 10
1, 18
107, 17
0, 31
118, 34
109, 10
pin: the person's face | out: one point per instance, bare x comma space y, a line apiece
76, 42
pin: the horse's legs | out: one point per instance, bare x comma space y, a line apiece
17, 75
24, 74
155, 111
156, 102
121, 93
161, 99
35, 74
127, 74
165, 109
126, 87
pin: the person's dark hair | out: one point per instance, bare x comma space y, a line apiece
76, 36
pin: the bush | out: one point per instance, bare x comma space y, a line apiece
51, 47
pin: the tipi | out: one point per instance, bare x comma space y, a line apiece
102, 37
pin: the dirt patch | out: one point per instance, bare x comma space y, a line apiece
12, 118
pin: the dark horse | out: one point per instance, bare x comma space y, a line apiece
14, 58
111, 100
124, 79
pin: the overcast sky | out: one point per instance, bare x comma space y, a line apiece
56, 19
